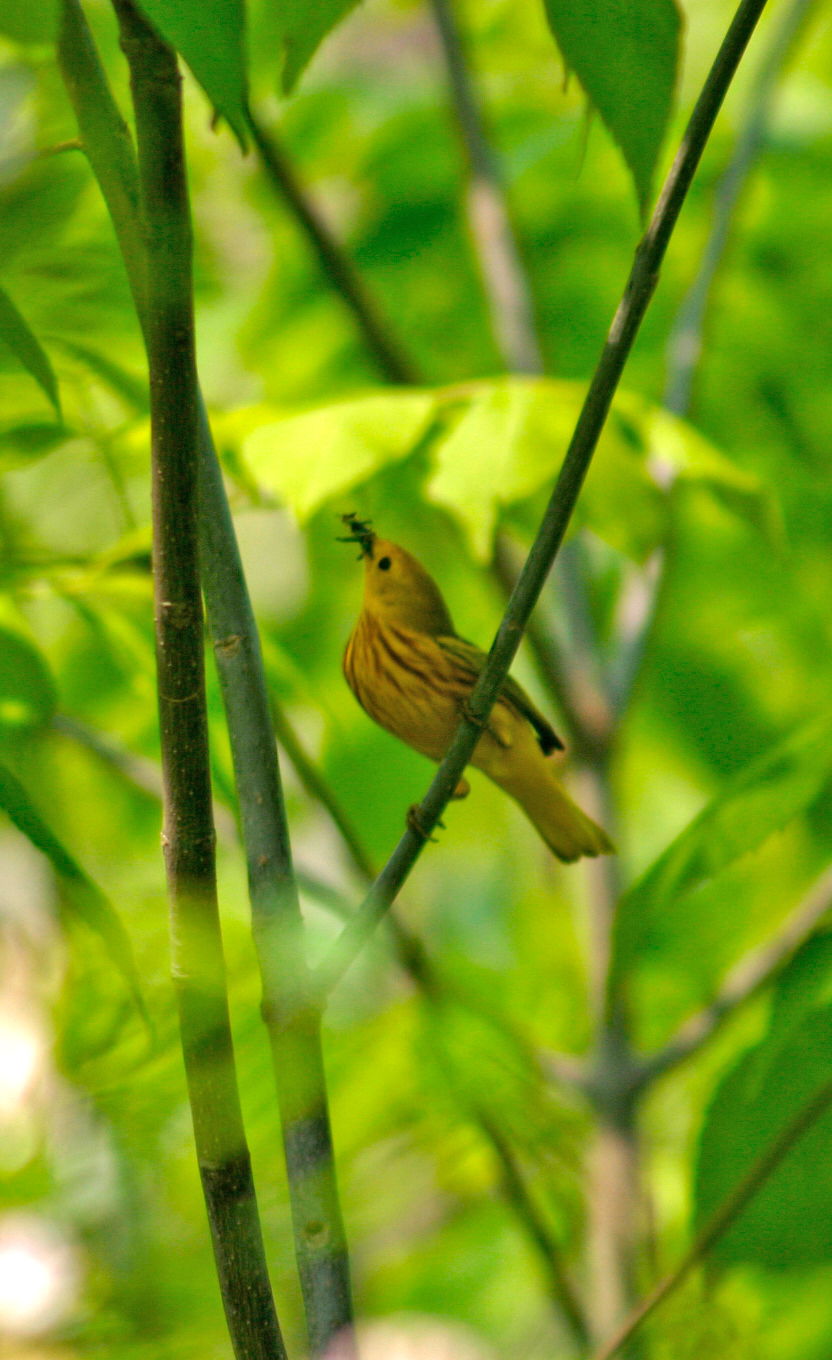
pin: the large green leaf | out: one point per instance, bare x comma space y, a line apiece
82, 895
210, 36
758, 801
625, 54
301, 28
510, 442
16, 336
309, 458
498, 443
789, 1222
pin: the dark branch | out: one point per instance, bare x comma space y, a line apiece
196, 943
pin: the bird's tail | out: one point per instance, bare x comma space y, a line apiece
567, 831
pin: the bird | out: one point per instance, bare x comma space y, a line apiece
412, 674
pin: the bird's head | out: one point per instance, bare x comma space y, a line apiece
397, 589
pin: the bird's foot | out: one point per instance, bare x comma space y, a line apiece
470, 716
462, 789
414, 821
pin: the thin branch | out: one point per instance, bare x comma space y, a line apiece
506, 285
685, 344
142, 773
634, 303
334, 262
724, 1217
196, 942
527, 1211
757, 970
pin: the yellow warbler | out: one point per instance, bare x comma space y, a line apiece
412, 674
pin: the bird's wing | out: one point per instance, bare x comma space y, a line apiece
472, 659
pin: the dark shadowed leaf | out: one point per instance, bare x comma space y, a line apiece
16, 335
27, 690
789, 1222
83, 897
625, 54
210, 36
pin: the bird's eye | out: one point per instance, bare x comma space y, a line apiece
384, 564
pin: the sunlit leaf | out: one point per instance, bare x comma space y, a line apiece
309, 458
210, 36
18, 337
301, 29
625, 54
83, 897
511, 441
758, 801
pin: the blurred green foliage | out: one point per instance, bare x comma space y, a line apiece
739, 661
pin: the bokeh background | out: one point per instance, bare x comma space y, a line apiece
103, 1240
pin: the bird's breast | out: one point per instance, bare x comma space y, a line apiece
405, 683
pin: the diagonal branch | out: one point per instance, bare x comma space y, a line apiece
518, 1196
631, 310
726, 1214
754, 972
335, 264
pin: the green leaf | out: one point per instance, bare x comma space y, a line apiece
301, 28
511, 441
83, 896
760, 800
26, 348
133, 389
24, 444
789, 1222
29, 21
310, 458
210, 36
625, 54
676, 450
27, 690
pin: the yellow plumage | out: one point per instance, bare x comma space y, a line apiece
412, 674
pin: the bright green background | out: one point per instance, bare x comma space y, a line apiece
739, 663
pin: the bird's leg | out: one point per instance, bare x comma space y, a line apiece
414, 821
462, 789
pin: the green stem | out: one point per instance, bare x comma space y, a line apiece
320, 1255
637, 294
196, 942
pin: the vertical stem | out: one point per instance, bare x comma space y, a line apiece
507, 291
292, 1015
188, 837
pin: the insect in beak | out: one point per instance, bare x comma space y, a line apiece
360, 533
